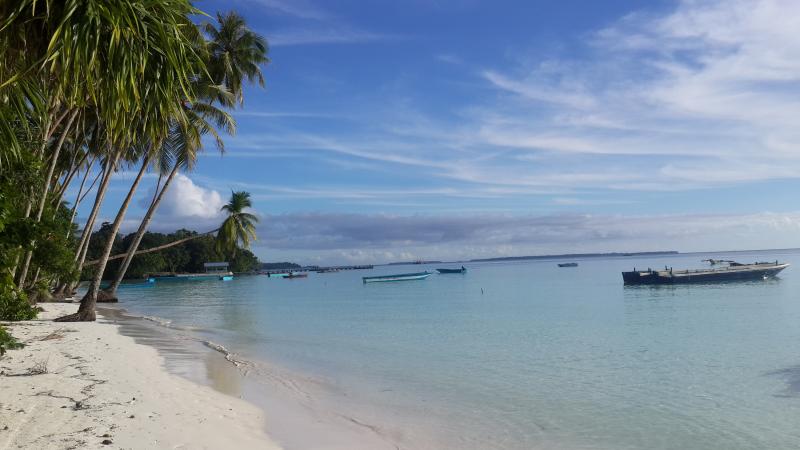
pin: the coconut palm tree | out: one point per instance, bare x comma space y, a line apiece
156, 50
239, 228
179, 151
236, 54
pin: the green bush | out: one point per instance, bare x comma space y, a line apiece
14, 303
7, 342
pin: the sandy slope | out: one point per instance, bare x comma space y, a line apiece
102, 386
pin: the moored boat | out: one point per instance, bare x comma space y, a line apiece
569, 264
296, 275
461, 270
732, 272
226, 278
397, 277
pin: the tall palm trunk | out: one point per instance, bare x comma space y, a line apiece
137, 239
86, 310
45, 190
83, 246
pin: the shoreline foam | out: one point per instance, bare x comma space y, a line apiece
77, 385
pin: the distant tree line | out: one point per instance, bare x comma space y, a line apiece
186, 257
279, 266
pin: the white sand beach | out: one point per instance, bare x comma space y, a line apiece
84, 385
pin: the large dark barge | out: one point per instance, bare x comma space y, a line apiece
732, 272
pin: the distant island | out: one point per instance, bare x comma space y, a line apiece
401, 263
573, 255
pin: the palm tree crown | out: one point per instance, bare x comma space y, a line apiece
236, 53
240, 226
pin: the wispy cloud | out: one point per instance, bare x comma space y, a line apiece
297, 8
323, 35
713, 86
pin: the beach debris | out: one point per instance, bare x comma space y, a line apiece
54, 335
39, 367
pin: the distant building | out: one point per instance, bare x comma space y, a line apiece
216, 267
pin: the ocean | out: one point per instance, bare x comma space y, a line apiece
510, 355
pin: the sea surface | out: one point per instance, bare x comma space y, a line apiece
511, 355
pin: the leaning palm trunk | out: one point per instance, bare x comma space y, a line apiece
83, 245
154, 249
86, 310
45, 190
112, 290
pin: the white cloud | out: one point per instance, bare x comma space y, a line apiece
187, 205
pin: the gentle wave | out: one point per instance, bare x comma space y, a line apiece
158, 320
229, 355
167, 323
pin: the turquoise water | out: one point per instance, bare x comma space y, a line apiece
524, 355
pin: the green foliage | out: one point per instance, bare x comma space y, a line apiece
239, 228
7, 342
187, 257
14, 303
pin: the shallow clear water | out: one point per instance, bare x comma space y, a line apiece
525, 355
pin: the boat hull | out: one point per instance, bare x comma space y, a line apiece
568, 265
399, 277
739, 273
451, 270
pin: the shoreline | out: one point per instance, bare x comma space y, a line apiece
86, 385
299, 409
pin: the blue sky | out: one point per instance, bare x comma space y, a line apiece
455, 129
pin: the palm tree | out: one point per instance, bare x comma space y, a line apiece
240, 226
155, 52
179, 150
236, 53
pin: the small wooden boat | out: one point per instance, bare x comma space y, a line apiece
398, 277
733, 272
572, 264
461, 270
226, 278
296, 275
277, 275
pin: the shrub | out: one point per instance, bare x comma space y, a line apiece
7, 342
14, 304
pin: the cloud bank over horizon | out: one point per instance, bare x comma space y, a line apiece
338, 238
